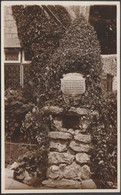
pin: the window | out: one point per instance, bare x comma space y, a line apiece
17, 68
109, 82
26, 57
12, 56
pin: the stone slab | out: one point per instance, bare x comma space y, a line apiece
71, 131
52, 110
57, 158
79, 147
64, 130
85, 172
60, 135
62, 184
78, 111
53, 172
73, 171
59, 110
88, 184
78, 131
83, 138
82, 158
58, 146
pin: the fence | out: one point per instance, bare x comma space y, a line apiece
14, 151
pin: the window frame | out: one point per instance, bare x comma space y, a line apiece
12, 61
109, 83
20, 62
23, 58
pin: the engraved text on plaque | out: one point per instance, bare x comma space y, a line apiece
73, 84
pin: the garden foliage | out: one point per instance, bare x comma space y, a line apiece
104, 139
16, 107
40, 35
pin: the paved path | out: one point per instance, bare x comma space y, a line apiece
11, 184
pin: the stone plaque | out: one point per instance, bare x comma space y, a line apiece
73, 84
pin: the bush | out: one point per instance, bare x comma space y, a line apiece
31, 163
16, 107
40, 35
78, 51
104, 138
40, 38
24, 122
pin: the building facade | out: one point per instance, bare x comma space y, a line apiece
17, 61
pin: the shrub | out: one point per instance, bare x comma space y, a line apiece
78, 51
56, 52
16, 107
104, 139
26, 123
39, 34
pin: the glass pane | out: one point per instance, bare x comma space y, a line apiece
27, 74
12, 76
109, 82
11, 55
27, 56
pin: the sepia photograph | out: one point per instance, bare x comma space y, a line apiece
60, 80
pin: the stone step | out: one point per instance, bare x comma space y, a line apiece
69, 184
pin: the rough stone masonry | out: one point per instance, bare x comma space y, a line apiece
70, 142
69, 158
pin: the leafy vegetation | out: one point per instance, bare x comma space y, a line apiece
104, 139
30, 165
16, 107
39, 34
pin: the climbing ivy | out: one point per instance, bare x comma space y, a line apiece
39, 34
76, 50
104, 139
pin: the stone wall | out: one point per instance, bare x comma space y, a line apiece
70, 144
